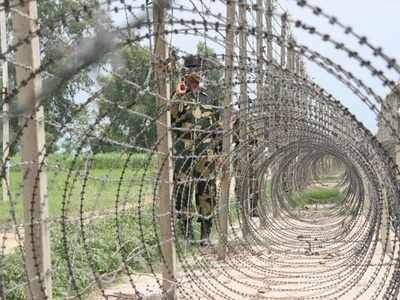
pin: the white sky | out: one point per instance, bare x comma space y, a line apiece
377, 20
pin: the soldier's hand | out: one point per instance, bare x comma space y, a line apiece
221, 162
232, 120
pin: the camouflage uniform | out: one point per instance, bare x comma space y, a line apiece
195, 154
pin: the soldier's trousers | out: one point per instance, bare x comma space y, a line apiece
205, 196
188, 182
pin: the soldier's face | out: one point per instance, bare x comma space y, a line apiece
193, 85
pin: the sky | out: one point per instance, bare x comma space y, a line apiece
379, 21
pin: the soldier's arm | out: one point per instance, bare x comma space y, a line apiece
174, 109
235, 132
180, 111
220, 131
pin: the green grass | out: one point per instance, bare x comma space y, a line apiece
102, 161
99, 190
316, 195
105, 255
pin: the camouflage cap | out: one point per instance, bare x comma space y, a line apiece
194, 61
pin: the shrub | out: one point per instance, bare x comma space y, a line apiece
105, 256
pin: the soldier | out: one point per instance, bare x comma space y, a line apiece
197, 143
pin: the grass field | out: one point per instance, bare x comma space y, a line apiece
99, 247
96, 191
96, 245
316, 195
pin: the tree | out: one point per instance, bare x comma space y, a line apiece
69, 21
64, 23
214, 71
123, 88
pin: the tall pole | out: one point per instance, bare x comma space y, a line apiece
165, 150
269, 86
290, 54
283, 39
244, 109
261, 96
6, 105
268, 19
297, 64
260, 56
302, 67
227, 139
35, 195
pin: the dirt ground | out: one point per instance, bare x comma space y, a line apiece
277, 272
9, 242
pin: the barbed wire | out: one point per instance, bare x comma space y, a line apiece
103, 187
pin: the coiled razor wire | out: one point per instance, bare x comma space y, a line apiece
104, 221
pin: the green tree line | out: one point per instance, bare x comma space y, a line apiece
124, 104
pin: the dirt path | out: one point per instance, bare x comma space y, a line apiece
9, 242
299, 269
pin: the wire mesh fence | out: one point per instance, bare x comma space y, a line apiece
180, 149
